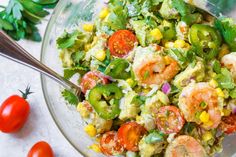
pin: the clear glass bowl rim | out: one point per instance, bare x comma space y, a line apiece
46, 39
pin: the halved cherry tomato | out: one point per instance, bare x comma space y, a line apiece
91, 79
228, 124
121, 43
169, 119
110, 145
129, 135
14, 112
41, 149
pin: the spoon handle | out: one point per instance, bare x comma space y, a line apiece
11, 50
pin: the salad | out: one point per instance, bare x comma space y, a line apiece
158, 78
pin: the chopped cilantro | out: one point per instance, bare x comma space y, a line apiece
20, 17
227, 28
67, 39
70, 97
216, 66
146, 75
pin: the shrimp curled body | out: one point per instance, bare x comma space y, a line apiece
185, 146
154, 68
190, 102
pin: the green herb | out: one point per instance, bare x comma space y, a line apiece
118, 17
183, 57
189, 127
216, 66
227, 28
146, 75
225, 80
186, 12
138, 100
203, 105
155, 137
67, 40
78, 56
70, 72
197, 114
20, 17
70, 97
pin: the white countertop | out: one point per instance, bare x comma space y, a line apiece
40, 125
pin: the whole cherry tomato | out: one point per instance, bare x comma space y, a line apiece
41, 149
14, 112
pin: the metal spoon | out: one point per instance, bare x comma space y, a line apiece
11, 50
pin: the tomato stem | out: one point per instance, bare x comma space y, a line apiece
26, 93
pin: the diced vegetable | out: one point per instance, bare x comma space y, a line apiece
105, 100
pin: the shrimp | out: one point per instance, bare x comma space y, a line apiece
185, 146
152, 68
191, 100
229, 61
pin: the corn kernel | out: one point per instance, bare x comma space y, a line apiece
138, 118
187, 45
169, 44
168, 60
82, 110
204, 117
130, 81
226, 112
87, 47
224, 51
156, 33
88, 27
146, 90
212, 74
98, 139
100, 55
213, 83
207, 136
220, 93
79, 106
179, 43
208, 124
95, 147
90, 130
103, 14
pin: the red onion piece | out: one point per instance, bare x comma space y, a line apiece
234, 110
166, 88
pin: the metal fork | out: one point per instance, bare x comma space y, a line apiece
11, 50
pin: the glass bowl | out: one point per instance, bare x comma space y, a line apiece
68, 15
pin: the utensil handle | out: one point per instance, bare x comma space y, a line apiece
11, 50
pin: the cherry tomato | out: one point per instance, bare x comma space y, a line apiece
109, 144
121, 43
14, 112
91, 79
228, 124
41, 149
169, 119
129, 135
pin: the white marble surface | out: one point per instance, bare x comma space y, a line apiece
40, 125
